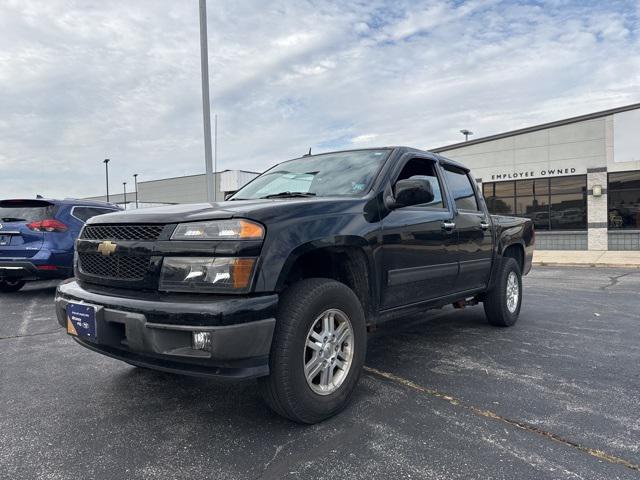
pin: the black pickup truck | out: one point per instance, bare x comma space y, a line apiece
282, 281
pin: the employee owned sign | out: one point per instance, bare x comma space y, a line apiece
533, 174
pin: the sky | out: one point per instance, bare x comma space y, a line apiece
85, 80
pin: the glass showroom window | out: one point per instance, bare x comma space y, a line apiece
624, 200
552, 203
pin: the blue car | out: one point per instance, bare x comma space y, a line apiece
37, 238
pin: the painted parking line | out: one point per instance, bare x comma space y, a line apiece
599, 454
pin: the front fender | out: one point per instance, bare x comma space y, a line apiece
335, 241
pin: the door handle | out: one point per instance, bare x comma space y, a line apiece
484, 225
448, 226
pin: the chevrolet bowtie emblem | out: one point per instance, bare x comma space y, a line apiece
107, 248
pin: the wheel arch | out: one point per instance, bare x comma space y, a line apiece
347, 259
515, 250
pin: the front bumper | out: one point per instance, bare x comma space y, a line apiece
155, 331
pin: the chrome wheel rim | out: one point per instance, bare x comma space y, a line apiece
513, 292
328, 351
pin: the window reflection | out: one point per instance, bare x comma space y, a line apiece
501, 206
624, 200
558, 203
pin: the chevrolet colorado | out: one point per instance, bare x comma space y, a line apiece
281, 281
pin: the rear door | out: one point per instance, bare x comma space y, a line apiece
419, 247
475, 238
17, 240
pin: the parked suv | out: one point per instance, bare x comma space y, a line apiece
281, 281
37, 238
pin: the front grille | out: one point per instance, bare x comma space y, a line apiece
122, 232
120, 268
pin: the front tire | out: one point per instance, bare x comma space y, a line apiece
318, 351
8, 286
502, 303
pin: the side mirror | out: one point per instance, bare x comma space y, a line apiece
227, 196
410, 191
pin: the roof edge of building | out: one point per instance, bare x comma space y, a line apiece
196, 175
535, 128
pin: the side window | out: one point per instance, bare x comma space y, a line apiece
424, 168
85, 213
460, 185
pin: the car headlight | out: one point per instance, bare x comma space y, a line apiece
219, 230
206, 274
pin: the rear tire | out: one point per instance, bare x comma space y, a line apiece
317, 353
8, 286
502, 303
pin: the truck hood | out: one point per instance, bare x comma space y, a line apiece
262, 210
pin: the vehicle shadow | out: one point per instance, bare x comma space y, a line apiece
35, 288
241, 402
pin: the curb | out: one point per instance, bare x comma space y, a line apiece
586, 265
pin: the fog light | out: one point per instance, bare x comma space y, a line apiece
201, 341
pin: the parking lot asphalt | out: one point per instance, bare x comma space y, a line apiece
444, 396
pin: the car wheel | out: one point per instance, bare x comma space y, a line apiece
11, 285
502, 303
317, 353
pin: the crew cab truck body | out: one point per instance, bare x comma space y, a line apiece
281, 281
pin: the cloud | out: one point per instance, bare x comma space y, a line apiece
81, 81
366, 138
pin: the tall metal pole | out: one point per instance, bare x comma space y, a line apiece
215, 156
106, 171
206, 106
135, 179
124, 186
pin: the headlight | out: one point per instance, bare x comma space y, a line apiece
219, 230
206, 274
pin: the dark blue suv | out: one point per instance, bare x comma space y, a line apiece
37, 238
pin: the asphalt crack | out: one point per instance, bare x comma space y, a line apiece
613, 281
599, 454
30, 335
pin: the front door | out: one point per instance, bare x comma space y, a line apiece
419, 246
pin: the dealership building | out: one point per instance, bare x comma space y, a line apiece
578, 179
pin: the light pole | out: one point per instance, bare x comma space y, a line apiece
206, 106
466, 134
135, 179
124, 187
106, 171
215, 158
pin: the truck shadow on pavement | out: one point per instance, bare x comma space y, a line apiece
240, 401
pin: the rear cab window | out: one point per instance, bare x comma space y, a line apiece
461, 188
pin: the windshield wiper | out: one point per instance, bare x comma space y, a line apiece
13, 219
290, 194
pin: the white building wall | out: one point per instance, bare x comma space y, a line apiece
559, 151
188, 189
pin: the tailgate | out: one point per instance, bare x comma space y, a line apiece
18, 241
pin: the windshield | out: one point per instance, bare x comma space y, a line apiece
343, 174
